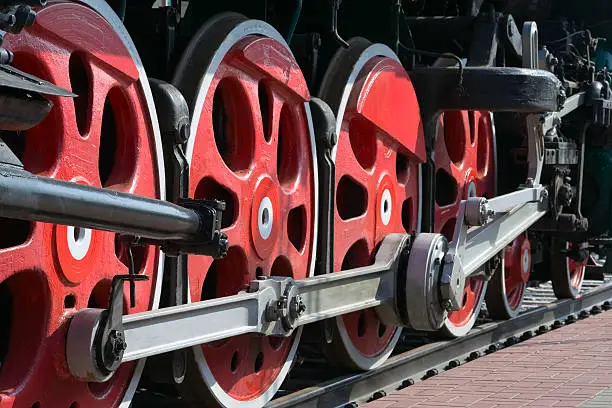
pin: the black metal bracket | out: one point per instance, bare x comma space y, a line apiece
109, 337
16, 17
335, 7
324, 123
512, 36
174, 123
209, 240
485, 41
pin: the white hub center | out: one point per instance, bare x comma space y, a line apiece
79, 240
385, 207
265, 217
526, 261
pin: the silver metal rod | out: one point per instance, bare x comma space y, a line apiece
507, 202
173, 328
485, 242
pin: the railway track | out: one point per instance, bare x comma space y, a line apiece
417, 357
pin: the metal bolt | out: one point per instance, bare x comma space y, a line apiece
116, 344
557, 323
495, 347
454, 363
432, 372
511, 341
407, 383
485, 212
474, 355
297, 307
543, 329
379, 394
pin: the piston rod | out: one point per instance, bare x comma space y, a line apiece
34, 198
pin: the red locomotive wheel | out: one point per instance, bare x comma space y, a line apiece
380, 144
567, 274
251, 145
106, 137
465, 167
506, 289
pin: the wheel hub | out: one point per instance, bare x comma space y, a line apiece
266, 212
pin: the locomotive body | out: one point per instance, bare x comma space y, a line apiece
194, 192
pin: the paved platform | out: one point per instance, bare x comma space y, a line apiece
567, 367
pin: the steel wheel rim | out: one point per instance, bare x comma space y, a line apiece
241, 29
366, 342
464, 170
75, 246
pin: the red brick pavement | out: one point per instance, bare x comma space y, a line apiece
562, 368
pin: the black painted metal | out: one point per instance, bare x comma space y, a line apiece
13, 78
491, 89
485, 42
174, 122
28, 197
324, 123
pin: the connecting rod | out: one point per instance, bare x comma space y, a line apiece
273, 307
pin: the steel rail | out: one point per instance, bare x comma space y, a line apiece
420, 363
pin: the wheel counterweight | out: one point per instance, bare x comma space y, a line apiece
377, 180
106, 137
465, 167
252, 146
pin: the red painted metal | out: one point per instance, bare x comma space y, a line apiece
464, 159
43, 283
517, 262
576, 269
383, 84
377, 181
259, 153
